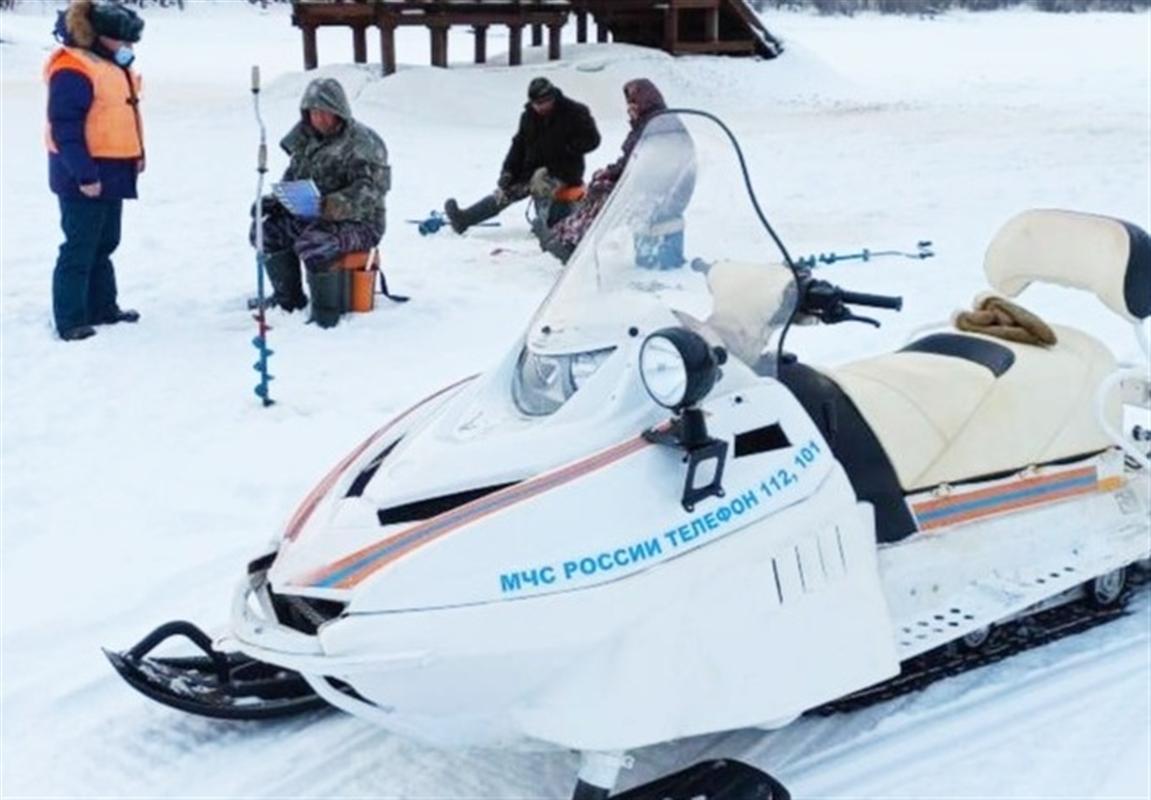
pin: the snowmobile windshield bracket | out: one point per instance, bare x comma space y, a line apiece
705, 456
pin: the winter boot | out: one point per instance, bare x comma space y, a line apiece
558, 248
78, 333
283, 268
329, 293
117, 315
462, 219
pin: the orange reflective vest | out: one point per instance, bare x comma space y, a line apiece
112, 128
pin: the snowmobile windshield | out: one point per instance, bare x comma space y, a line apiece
680, 229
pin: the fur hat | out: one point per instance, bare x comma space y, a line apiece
540, 88
85, 20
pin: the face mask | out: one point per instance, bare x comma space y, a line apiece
124, 55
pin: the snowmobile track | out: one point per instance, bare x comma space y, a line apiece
1007, 640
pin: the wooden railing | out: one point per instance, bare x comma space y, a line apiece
677, 26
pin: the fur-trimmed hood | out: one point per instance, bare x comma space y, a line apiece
74, 25
84, 21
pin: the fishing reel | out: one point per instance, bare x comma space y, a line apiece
430, 224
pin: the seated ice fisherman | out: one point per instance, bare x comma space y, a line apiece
545, 159
348, 162
669, 185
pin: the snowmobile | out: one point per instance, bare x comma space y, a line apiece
650, 520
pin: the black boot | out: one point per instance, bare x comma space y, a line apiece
78, 333
557, 247
283, 268
328, 290
463, 218
118, 314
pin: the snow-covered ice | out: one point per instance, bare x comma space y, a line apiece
139, 471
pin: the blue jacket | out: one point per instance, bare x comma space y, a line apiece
69, 99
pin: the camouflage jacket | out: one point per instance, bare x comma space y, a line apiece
350, 167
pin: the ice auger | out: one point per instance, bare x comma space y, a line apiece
260, 340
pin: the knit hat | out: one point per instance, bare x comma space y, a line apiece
116, 22
540, 88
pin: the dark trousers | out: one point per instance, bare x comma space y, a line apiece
84, 282
317, 242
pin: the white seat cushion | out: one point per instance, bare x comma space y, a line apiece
943, 419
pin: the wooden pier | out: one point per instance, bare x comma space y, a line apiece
677, 26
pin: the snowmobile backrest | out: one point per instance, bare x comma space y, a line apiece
1103, 255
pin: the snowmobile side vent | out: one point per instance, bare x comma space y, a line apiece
778, 585
364, 478
995, 357
434, 506
304, 614
761, 440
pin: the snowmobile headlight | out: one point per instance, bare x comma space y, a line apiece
584, 365
679, 367
543, 383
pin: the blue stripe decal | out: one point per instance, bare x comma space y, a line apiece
1019, 494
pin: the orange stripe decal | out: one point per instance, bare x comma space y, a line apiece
306, 508
952, 510
354, 568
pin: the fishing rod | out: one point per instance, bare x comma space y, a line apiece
923, 250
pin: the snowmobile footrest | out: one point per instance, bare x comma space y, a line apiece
216, 684
721, 779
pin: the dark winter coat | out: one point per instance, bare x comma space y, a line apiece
70, 98
350, 167
558, 140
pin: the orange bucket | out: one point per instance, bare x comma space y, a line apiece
363, 290
361, 285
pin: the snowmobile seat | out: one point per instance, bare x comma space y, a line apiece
992, 355
1105, 256
854, 446
945, 419
952, 408
956, 407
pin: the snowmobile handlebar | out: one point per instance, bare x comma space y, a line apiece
829, 304
873, 300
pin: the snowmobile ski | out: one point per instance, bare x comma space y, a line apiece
216, 684
718, 779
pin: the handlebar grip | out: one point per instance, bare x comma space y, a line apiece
873, 300
256, 78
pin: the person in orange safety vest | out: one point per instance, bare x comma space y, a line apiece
95, 143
